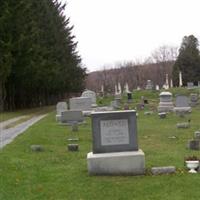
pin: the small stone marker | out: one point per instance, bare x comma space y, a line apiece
60, 107
162, 115
194, 99
37, 148
148, 113
194, 144
197, 135
183, 125
163, 170
129, 96
73, 147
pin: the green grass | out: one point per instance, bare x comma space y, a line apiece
58, 174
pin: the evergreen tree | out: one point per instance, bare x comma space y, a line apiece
43, 63
188, 61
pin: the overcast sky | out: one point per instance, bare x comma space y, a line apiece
112, 31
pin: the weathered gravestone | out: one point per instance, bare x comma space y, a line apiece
182, 104
129, 96
60, 107
70, 117
190, 85
166, 104
92, 95
80, 103
194, 99
149, 85
115, 146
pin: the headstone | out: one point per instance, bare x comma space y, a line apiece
37, 147
129, 96
197, 135
194, 99
167, 82
92, 95
72, 147
80, 103
183, 125
163, 170
162, 115
190, 85
194, 144
115, 146
71, 116
166, 104
61, 106
149, 85
157, 87
180, 79
182, 104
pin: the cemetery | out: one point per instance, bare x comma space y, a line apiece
91, 111
116, 153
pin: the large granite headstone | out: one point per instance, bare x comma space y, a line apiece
115, 145
166, 104
60, 107
92, 95
182, 104
80, 103
71, 116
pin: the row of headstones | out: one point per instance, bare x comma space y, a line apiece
77, 107
182, 102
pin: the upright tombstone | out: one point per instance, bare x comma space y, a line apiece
70, 117
60, 107
157, 88
115, 146
80, 103
190, 85
92, 95
129, 96
180, 79
193, 99
166, 103
182, 104
149, 85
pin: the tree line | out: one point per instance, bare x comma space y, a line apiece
164, 60
39, 63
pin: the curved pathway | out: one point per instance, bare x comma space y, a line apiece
8, 135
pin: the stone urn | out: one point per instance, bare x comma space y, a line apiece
192, 165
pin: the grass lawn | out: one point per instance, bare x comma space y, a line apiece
58, 174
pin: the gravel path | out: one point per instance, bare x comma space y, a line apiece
8, 135
10, 121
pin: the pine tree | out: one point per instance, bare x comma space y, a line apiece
188, 61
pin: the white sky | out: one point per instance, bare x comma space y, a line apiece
112, 31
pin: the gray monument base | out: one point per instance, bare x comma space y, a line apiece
120, 163
165, 107
182, 109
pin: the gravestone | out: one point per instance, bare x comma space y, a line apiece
190, 85
166, 104
129, 96
80, 103
149, 85
61, 106
92, 95
197, 135
182, 104
71, 116
115, 146
194, 99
